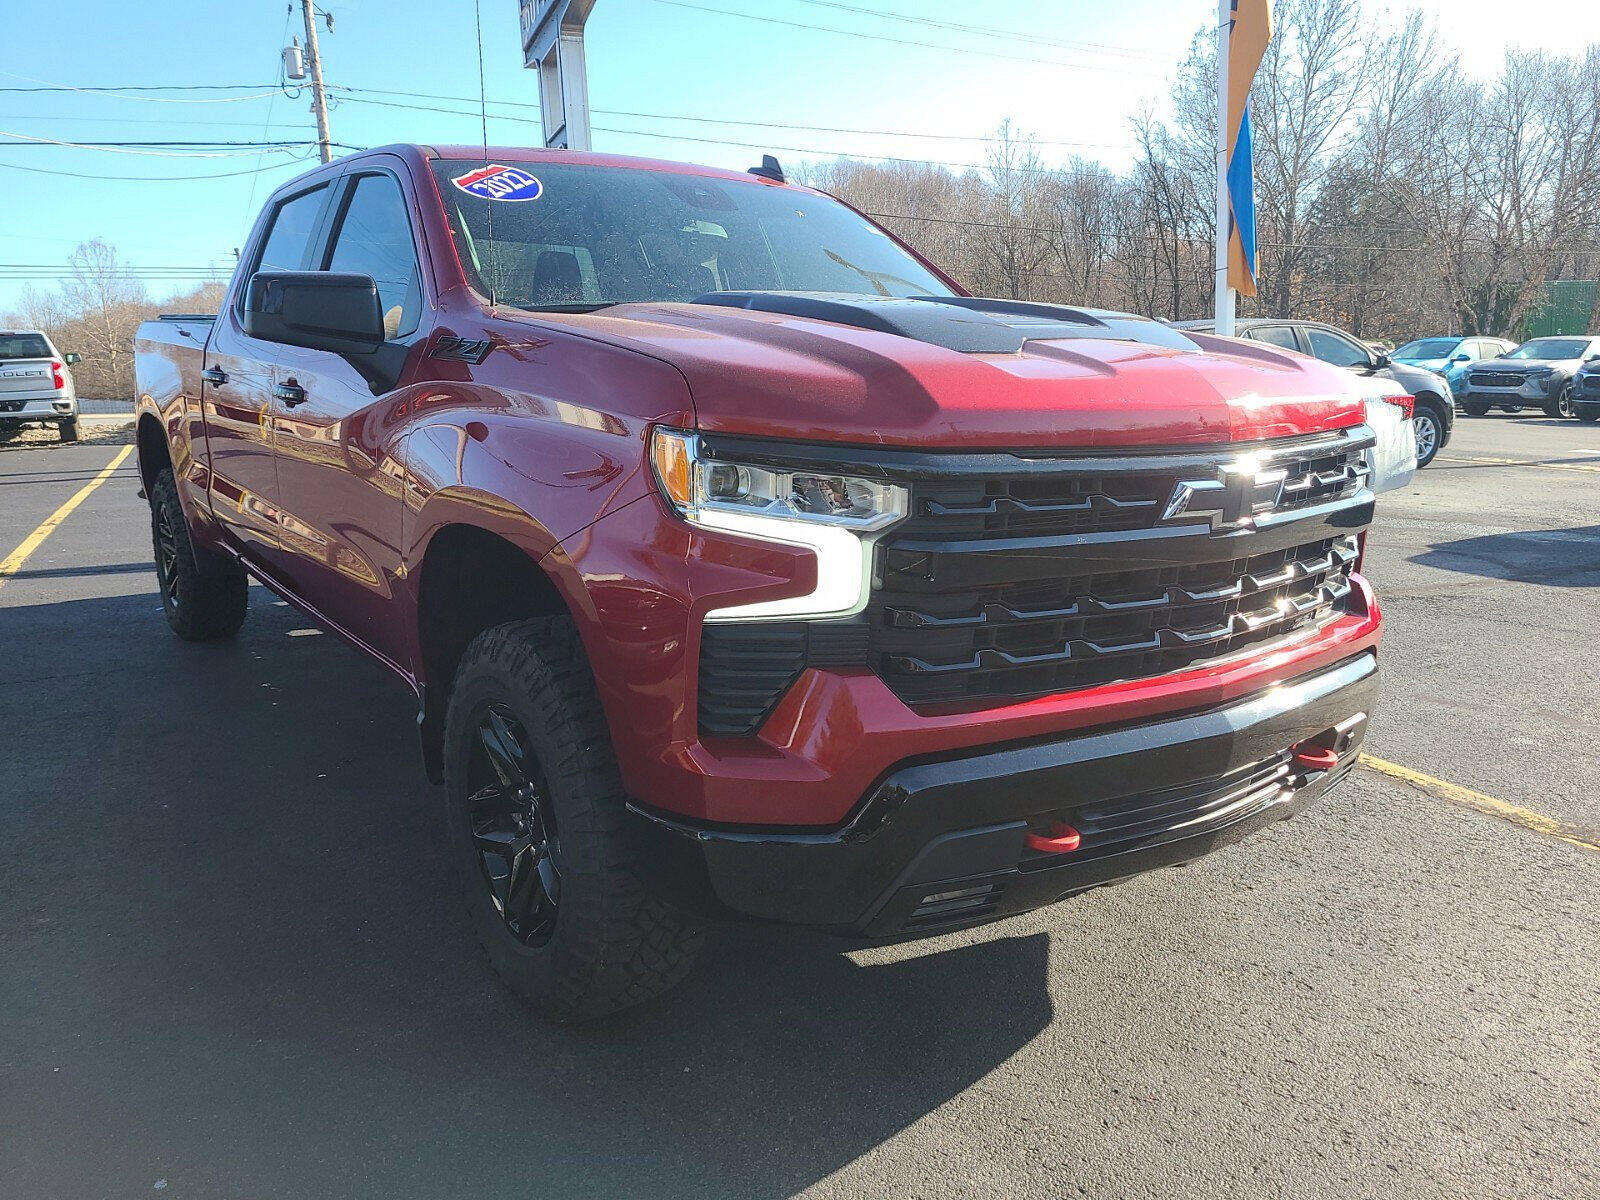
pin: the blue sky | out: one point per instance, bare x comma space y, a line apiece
1071, 72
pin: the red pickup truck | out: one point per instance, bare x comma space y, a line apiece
741, 563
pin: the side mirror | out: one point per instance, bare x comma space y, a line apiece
314, 309
71, 358
321, 310
1463, 356
1592, 357
1380, 361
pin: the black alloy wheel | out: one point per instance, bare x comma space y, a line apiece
1564, 406
168, 576
513, 827
204, 596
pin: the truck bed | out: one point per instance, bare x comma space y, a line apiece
168, 356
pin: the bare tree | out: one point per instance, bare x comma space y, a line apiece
96, 312
108, 304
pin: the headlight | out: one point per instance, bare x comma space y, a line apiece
836, 516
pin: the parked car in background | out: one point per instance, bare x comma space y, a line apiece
1539, 372
36, 385
1435, 410
1451, 357
1586, 393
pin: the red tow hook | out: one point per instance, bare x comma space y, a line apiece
1315, 758
1063, 839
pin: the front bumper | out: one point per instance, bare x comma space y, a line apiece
942, 843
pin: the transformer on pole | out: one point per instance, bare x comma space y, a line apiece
552, 42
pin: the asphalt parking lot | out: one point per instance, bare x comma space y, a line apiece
229, 964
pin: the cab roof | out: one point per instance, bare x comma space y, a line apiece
582, 158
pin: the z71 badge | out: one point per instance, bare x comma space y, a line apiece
497, 182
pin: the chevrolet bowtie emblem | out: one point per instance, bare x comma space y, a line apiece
1238, 494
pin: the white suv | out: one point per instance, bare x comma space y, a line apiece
35, 384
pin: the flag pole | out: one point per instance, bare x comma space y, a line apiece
1225, 295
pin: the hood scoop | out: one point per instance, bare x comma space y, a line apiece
966, 324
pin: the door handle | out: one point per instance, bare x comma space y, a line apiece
290, 393
215, 376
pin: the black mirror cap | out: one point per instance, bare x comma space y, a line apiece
72, 358
319, 310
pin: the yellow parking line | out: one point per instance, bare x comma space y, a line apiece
12, 563
1478, 801
1521, 462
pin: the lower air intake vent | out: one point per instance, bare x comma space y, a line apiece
746, 668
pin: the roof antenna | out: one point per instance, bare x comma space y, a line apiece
483, 117
769, 169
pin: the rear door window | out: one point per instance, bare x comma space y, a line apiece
1337, 349
1276, 335
374, 238
23, 345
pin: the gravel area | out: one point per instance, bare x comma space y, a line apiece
90, 433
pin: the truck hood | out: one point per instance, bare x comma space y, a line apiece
1530, 366
768, 374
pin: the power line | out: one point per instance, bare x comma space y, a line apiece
361, 94
169, 149
942, 137
881, 37
1033, 39
757, 145
5, 266
153, 178
172, 121
683, 137
117, 93
134, 87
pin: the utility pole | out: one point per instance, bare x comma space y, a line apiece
319, 99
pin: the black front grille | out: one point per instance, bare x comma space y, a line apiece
1012, 641
1045, 503
1589, 385
1073, 573
1505, 379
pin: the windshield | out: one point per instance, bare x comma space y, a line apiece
1552, 348
23, 345
1425, 348
579, 237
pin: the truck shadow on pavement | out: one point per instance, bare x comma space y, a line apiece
1559, 557
231, 958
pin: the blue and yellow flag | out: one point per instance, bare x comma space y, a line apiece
1249, 32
